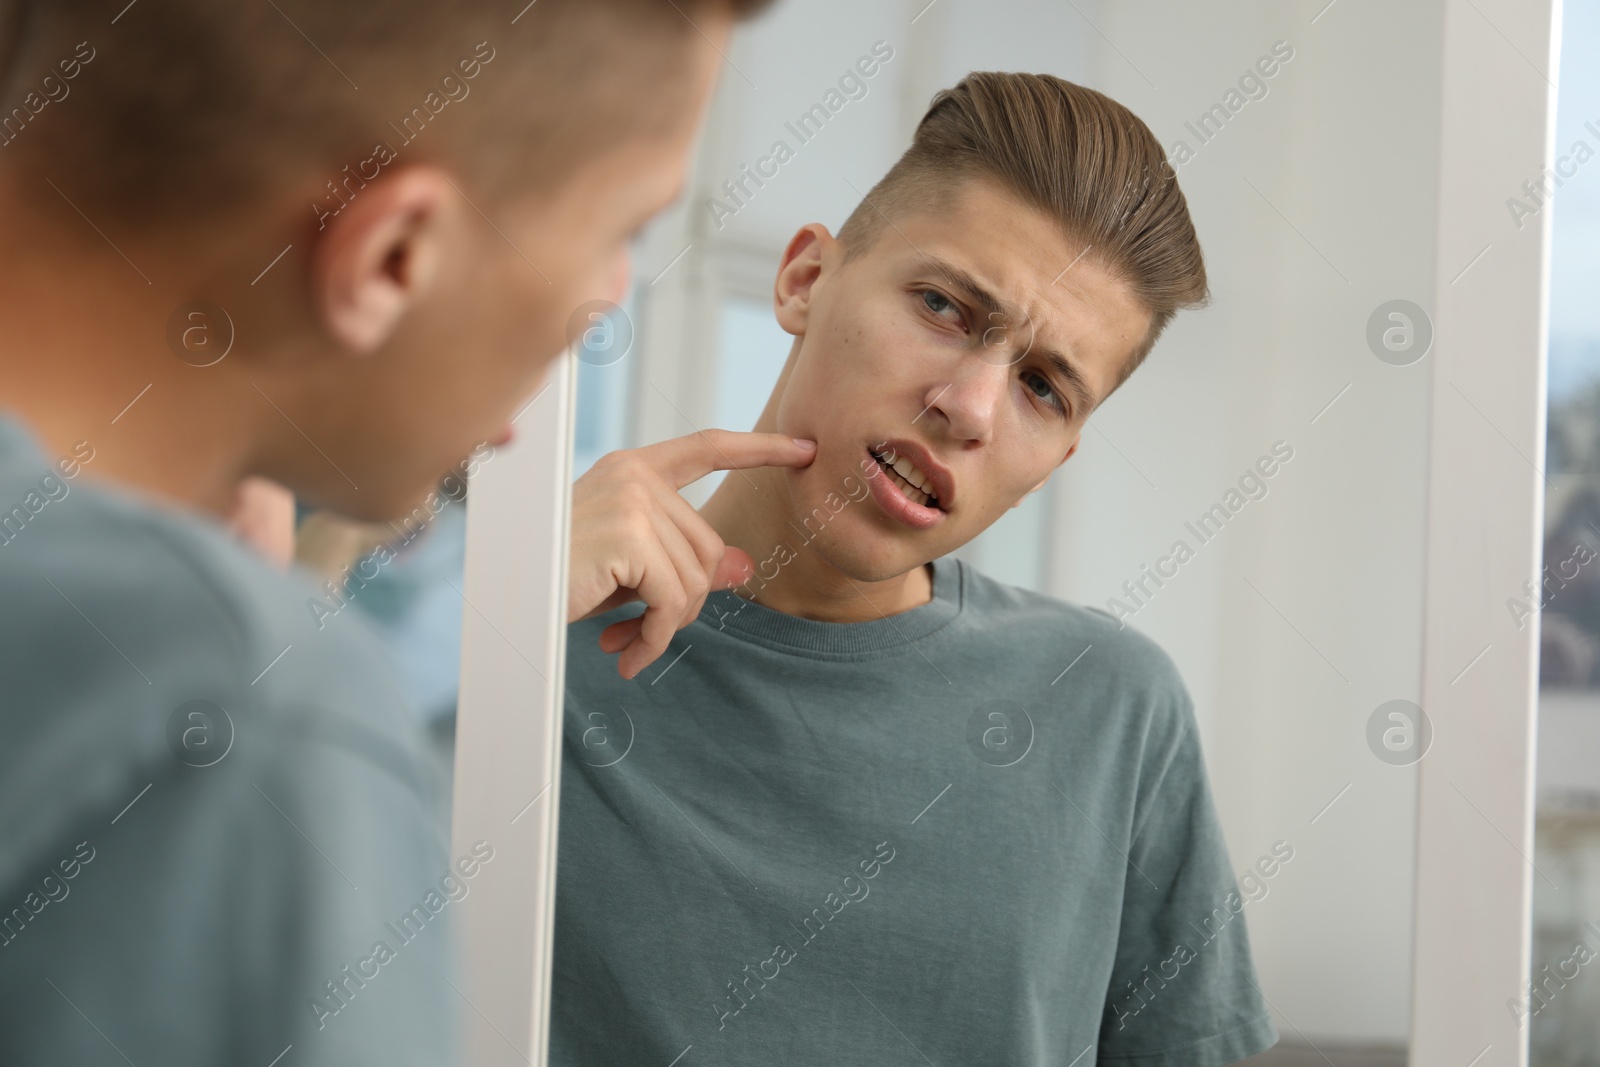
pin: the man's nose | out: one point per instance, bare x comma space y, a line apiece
621, 274
970, 400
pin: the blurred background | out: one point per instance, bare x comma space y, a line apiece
1564, 1018
1313, 190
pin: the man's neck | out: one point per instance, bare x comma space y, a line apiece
122, 420
102, 374
754, 513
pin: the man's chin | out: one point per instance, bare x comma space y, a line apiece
881, 563
378, 506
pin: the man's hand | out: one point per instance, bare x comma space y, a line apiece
262, 517
635, 538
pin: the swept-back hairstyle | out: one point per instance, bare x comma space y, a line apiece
1075, 154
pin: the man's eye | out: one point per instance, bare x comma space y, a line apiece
1041, 388
937, 302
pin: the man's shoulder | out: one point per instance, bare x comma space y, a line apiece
138, 639
156, 572
1037, 623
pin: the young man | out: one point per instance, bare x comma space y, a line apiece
873, 807
333, 245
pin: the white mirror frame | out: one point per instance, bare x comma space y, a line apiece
1475, 801
508, 728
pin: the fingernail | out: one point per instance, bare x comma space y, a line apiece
804, 443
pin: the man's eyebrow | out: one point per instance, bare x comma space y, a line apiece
993, 307
1074, 380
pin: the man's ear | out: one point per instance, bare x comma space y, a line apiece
378, 255
1070, 450
810, 249
1046, 478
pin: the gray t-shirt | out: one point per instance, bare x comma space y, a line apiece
214, 810
905, 841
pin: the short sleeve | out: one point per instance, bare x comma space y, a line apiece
1183, 991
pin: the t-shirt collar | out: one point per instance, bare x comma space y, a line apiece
750, 620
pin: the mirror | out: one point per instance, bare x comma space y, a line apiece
1280, 436
1313, 190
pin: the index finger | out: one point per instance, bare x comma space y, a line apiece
689, 458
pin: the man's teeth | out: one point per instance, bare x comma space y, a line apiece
912, 483
909, 472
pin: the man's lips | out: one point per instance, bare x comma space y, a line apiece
941, 483
894, 503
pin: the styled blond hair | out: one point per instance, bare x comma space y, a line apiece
1074, 153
